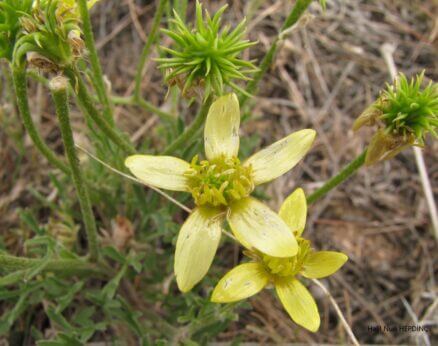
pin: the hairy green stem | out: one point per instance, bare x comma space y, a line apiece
94, 60
59, 88
10, 264
191, 130
84, 98
344, 174
146, 49
296, 13
119, 100
20, 85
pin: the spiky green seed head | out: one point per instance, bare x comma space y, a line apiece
404, 113
407, 108
206, 57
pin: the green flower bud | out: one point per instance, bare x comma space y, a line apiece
11, 12
206, 57
50, 36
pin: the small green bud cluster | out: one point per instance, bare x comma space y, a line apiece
11, 11
50, 37
43, 33
206, 57
407, 109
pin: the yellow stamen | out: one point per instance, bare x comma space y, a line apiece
219, 182
288, 266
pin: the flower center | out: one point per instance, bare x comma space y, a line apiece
289, 266
219, 182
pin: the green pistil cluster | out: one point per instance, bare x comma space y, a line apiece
406, 109
219, 182
289, 266
206, 56
403, 114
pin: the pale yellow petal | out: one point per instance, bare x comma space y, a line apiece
239, 283
299, 304
294, 211
278, 158
196, 246
323, 263
165, 172
257, 226
221, 133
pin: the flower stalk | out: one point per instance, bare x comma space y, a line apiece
20, 85
10, 264
191, 129
147, 48
339, 312
94, 60
343, 175
84, 98
59, 88
296, 13
142, 103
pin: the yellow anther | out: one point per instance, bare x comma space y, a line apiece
219, 182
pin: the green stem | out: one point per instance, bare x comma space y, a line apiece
180, 7
81, 91
131, 101
94, 60
344, 174
59, 88
20, 84
10, 264
296, 13
190, 131
146, 50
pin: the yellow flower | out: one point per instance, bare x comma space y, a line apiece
221, 188
249, 278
